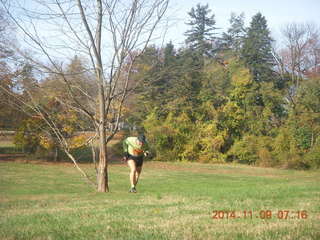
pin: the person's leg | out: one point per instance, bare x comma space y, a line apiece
139, 164
138, 172
133, 171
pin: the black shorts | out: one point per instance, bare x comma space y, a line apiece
137, 159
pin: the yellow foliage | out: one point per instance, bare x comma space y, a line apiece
218, 142
265, 157
61, 117
46, 142
242, 77
68, 129
215, 70
233, 111
144, 67
77, 141
231, 107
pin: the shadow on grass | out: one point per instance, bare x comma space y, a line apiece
82, 155
10, 150
10, 153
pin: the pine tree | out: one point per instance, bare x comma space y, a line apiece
200, 36
234, 37
257, 49
169, 54
27, 83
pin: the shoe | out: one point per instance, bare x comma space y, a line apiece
133, 190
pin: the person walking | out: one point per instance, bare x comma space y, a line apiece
135, 149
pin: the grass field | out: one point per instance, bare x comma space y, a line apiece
174, 201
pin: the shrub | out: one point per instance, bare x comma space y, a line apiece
291, 148
265, 158
254, 150
312, 158
162, 137
179, 138
244, 150
28, 135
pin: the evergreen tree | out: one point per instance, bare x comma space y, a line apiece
82, 82
169, 54
256, 51
234, 37
200, 36
150, 89
26, 81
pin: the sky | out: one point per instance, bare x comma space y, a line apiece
278, 13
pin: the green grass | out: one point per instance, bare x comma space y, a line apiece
174, 201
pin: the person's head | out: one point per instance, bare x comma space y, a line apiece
142, 138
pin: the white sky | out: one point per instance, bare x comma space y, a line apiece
277, 12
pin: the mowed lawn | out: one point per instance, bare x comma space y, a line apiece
174, 201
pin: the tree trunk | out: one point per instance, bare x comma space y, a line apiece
56, 154
103, 165
102, 169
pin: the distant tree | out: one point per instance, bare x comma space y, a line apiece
10, 117
169, 54
5, 53
301, 55
299, 59
26, 82
308, 109
257, 49
34, 135
234, 37
171, 82
297, 142
201, 35
6, 31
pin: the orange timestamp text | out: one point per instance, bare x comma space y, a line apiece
262, 214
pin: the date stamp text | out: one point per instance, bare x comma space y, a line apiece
262, 214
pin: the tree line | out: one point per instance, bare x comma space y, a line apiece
232, 97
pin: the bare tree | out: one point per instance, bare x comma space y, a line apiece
299, 58
7, 72
110, 34
302, 50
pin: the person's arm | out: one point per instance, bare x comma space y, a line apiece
146, 149
125, 149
